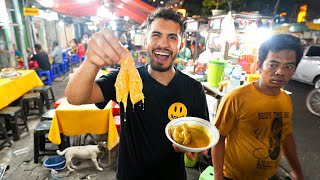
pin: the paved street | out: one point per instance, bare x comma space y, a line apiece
306, 127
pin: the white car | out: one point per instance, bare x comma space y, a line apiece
308, 71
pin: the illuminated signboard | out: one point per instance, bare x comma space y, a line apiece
27, 11
242, 23
192, 25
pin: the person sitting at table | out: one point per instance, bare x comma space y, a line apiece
144, 150
17, 53
42, 59
73, 48
56, 54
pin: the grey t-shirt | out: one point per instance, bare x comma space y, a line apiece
56, 54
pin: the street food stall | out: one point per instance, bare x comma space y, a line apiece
230, 53
250, 31
231, 48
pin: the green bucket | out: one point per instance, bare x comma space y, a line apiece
190, 163
215, 72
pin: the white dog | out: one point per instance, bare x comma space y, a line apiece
83, 152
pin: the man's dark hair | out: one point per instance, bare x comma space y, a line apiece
55, 43
278, 43
37, 46
167, 14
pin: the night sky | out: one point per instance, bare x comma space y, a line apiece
266, 7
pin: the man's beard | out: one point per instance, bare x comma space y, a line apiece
159, 67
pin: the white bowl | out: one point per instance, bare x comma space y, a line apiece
7, 72
210, 129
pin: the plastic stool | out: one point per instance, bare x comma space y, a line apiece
44, 91
5, 137
74, 58
37, 102
117, 122
207, 174
62, 68
52, 73
11, 117
64, 54
115, 108
57, 103
40, 140
56, 70
48, 115
65, 63
49, 79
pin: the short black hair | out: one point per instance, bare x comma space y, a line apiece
55, 43
167, 14
37, 46
75, 40
278, 43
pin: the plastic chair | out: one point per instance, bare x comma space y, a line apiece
57, 103
117, 122
49, 79
115, 108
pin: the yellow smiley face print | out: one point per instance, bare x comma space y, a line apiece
177, 110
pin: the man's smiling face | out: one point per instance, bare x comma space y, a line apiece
163, 44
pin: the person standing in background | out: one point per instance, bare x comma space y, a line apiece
255, 120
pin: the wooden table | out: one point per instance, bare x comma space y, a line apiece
13, 88
72, 120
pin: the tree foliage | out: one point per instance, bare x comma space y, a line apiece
213, 3
208, 5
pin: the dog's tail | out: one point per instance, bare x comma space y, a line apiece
61, 153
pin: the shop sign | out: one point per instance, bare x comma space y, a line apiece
183, 12
245, 23
313, 26
192, 25
280, 29
251, 23
27, 11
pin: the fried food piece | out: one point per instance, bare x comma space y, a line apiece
135, 85
181, 134
128, 82
122, 87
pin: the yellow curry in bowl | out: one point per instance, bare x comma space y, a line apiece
191, 136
